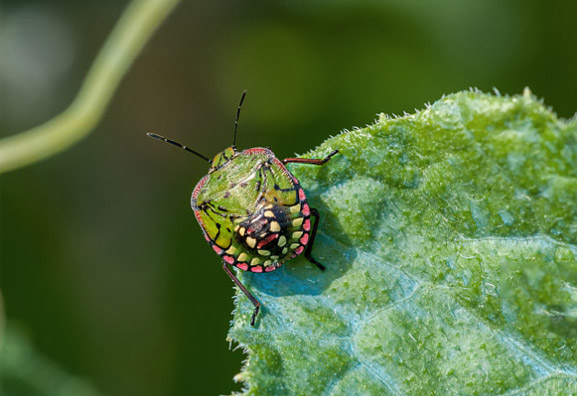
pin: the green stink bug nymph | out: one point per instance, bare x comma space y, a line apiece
252, 210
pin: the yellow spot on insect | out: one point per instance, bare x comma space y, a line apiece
231, 250
268, 213
242, 231
242, 257
295, 245
264, 252
251, 242
267, 263
285, 251
282, 241
274, 226
298, 222
236, 228
295, 208
269, 206
254, 261
297, 234
274, 258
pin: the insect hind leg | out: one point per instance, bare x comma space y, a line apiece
309, 248
252, 298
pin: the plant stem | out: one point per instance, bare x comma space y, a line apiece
135, 27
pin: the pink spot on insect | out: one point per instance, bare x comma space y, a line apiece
198, 218
293, 255
305, 239
307, 225
269, 269
257, 268
299, 250
199, 187
207, 238
242, 266
229, 259
217, 249
302, 195
265, 241
257, 150
306, 210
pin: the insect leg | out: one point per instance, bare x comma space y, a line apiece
252, 298
308, 250
310, 161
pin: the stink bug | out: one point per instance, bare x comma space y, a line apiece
252, 210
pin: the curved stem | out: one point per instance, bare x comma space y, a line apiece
135, 27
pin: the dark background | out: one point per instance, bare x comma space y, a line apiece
103, 263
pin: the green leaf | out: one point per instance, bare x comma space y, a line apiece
450, 240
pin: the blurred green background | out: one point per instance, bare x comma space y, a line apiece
102, 263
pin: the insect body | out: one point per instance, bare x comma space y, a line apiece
253, 211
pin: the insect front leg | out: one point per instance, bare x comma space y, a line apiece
252, 298
310, 161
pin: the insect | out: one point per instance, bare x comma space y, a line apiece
252, 210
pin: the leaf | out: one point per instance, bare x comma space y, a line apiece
450, 240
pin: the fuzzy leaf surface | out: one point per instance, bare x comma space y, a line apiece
450, 240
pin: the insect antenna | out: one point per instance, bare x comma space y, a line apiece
236, 120
162, 138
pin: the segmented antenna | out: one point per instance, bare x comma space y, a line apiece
162, 138
237, 115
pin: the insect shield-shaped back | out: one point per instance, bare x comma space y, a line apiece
253, 211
